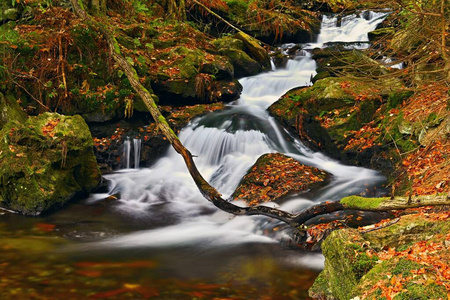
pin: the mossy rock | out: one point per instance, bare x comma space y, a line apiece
343, 268
381, 33
243, 64
237, 52
195, 77
326, 114
254, 49
321, 75
45, 161
274, 176
10, 14
10, 110
353, 266
336, 60
221, 68
229, 42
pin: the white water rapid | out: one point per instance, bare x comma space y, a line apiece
226, 144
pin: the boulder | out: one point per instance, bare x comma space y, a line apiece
194, 77
244, 64
275, 176
327, 114
10, 14
255, 49
44, 162
404, 256
337, 60
10, 110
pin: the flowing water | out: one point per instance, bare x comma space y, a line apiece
160, 237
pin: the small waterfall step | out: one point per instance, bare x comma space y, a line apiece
126, 155
225, 145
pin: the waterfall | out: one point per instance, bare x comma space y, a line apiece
126, 153
351, 28
137, 152
225, 144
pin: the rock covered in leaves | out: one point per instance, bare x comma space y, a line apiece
274, 176
406, 258
44, 162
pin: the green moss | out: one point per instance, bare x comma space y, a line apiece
362, 264
357, 202
397, 98
45, 161
404, 267
163, 120
422, 291
320, 289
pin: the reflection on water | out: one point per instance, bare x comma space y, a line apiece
43, 258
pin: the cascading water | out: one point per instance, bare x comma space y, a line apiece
137, 152
351, 28
126, 156
126, 152
226, 144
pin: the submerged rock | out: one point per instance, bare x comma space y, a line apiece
275, 176
44, 162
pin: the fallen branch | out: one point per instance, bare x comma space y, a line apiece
209, 192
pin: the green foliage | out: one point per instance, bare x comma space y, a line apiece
140, 6
8, 35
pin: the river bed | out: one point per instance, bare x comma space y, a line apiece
161, 239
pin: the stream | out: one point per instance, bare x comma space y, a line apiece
161, 238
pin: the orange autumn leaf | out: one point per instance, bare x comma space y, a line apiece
45, 227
